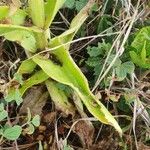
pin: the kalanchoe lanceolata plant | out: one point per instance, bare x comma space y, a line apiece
50, 54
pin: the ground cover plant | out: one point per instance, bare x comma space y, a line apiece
66, 67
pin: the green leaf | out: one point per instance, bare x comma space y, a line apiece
12, 133
104, 23
135, 58
69, 4
143, 53
3, 112
61, 67
35, 79
128, 67
68, 73
94, 51
27, 67
138, 60
51, 9
37, 12
123, 69
80, 4
93, 61
117, 62
142, 36
121, 72
14, 94
36, 120
75, 25
24, 38
5, 28
60, 99
19, 17
18, 77
4, 11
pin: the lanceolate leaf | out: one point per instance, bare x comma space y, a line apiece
61, 67
37, 78
51, 8
37, 12
22, 35
65, 71
24, 38
76, 24
5, 28
60, 99
27, 67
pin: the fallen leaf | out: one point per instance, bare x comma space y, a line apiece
35, 99
85, 131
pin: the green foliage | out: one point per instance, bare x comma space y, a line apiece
24, 38
36, 120
96, 57
79, 4
104, 23
141, 45
51, 9
37, 13
14, 95
70, 4
18, 77
4, 12
3, 112
31, 122
60, 98
11, 133
19, 17
123, 69
36, 78
55, 65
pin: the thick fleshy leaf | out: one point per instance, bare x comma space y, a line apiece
60, 99
51, 9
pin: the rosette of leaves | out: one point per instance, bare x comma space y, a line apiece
54, 60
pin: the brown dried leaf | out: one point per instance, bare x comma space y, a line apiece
35, 99
85, 131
